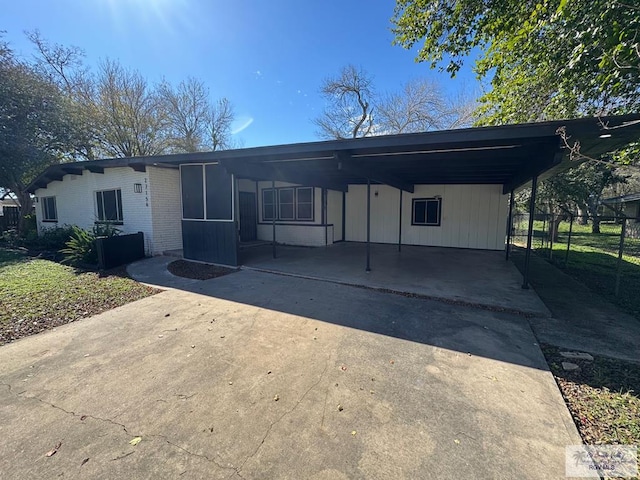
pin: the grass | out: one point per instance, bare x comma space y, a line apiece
593, 260
603, 397
38, 294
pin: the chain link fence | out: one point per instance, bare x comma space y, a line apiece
605, 257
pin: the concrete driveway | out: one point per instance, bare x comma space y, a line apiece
269, 376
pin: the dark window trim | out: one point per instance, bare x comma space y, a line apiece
295, 204
204, 196
426, 199
44, 209
119, 209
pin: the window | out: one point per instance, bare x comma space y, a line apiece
191, 177
268, 204
49, 211
304, 205
426, 211
109, 206
287, 204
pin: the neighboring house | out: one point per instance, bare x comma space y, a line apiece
629, 205
448, 188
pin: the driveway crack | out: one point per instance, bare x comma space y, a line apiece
82, 416
189, 452
288, 412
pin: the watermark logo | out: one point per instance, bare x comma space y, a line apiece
605, 461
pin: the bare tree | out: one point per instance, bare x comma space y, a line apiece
418, 107
131, 115
188, 114
220, 120
349, 112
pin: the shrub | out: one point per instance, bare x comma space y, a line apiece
81, 248
52, 238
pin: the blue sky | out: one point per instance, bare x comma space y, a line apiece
267, 56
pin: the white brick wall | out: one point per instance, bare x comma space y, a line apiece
76, 202
165, 209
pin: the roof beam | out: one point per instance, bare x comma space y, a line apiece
72, 170
54, 176
94, 169
138, 167
346, 164
551, 159
258, 171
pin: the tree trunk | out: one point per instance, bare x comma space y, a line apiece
26, 207
595, 224
583, 214
555, 225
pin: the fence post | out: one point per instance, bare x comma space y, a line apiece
566, 255
620, 252
552, 232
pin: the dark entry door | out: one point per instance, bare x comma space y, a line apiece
248, 217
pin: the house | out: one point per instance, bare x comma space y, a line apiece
629, 205
444, 188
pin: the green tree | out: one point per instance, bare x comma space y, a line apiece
37, 128
545, 59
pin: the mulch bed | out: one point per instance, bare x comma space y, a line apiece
603, 396
198, 271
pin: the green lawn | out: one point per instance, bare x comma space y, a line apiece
38, 294
603, 397
593, 260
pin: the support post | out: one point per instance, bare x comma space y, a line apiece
509, 225
324, 215
368, 269
566, 255
532, 210
620, 252
344, 216
400, 225
275, 210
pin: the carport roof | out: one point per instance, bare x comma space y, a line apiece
508, 155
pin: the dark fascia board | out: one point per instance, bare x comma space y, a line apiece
55, 172
489, 135
577, 128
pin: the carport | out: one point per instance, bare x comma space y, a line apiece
505, 158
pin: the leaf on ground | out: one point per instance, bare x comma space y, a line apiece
84, 461
54, 450
135, 441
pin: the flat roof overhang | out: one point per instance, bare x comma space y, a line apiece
509, 155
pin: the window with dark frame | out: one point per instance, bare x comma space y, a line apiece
287, 204
304, 203
268, 204
109, 206
49, 211
426, 212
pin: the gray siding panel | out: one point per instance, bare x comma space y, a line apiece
212, 242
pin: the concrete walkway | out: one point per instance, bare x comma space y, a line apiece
269, 376
582, 319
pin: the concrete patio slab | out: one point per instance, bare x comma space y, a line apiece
426, 389
470, 276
